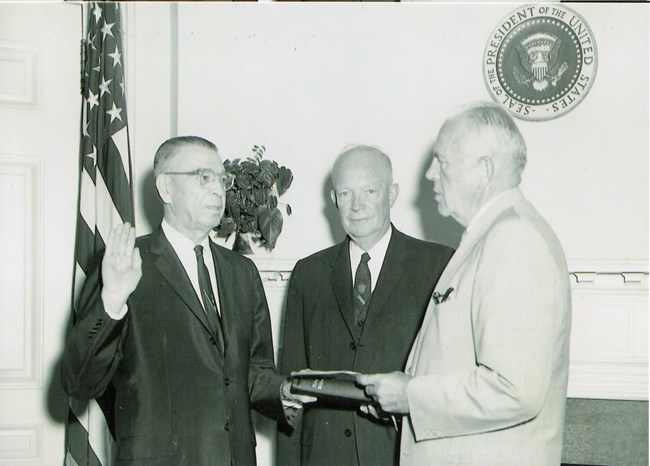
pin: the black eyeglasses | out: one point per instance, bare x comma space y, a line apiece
207, 177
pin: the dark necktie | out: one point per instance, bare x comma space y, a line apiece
362, 290
207, 296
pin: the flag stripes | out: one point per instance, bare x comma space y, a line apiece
105, 199
78, 444
116, 180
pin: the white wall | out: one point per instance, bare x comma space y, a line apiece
151, 93
305, 80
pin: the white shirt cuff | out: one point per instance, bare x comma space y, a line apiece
120, 315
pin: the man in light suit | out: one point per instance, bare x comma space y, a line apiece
331, 326
486, 379
178, 326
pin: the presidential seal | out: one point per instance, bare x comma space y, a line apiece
540, 61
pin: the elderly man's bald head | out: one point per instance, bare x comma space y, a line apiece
364, 192
363, 155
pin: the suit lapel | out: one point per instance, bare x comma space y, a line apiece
391, 272
225, 281
341, 280
466, 245
172, 270
470, 239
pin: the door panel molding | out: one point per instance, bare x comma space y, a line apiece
21, 271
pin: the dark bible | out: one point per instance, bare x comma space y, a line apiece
330, 386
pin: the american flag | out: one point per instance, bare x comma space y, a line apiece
105, 198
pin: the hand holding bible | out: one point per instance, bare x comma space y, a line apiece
388, 390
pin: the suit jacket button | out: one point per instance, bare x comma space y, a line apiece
353, 346
348, 433
226, 426
226, 381
213, 341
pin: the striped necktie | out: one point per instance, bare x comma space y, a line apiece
362, 290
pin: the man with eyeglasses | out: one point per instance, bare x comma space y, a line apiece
179, 327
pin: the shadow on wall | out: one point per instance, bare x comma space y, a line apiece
436, 228
57, 402
151, 204
331, 213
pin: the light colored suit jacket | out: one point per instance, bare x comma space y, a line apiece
490, 363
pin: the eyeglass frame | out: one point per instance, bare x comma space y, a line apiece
227, 179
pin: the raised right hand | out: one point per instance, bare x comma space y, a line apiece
121, 267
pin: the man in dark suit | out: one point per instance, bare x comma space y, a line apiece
356, 306
179, 326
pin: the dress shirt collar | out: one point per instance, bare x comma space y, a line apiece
377, 254
181, 242
485, 207
184, 249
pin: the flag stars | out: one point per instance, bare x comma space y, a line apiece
92, 99
98, 68
91, 40
115, 112
106, 30
93, 156
103, 86
116, 56
97, 12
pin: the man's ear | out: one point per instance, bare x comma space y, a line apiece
486, 165
393, 192
162, 185
333, 197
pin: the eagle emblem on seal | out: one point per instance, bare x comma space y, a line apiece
539, 55
540, 62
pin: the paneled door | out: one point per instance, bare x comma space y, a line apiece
39, 134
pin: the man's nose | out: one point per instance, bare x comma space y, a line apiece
357, 203
433, 173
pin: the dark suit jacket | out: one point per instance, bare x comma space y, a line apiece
179, 399
320, 333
